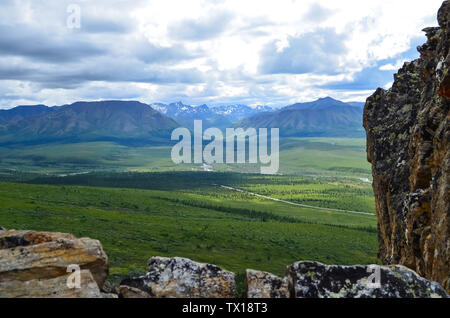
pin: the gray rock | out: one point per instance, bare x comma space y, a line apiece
266, 285
108, 288
109, 295
316, 280
180, 277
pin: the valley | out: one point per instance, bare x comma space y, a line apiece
97, 170
140, 204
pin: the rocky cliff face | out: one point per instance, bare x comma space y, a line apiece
408, 144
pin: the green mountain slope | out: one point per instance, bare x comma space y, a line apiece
124, 121
325, 117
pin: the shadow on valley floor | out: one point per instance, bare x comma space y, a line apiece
168, 181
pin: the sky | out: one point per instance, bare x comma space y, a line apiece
254, 52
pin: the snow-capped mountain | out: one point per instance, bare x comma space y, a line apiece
221, 116
239, 112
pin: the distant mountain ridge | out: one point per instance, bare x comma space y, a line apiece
124, 121
220, 116
132, 122
325, 117
20, 112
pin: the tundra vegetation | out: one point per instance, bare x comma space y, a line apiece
139, 204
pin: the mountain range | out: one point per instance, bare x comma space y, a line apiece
325, 117
123, 121
132, 122
220, 117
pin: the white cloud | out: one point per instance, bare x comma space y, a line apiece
144, 49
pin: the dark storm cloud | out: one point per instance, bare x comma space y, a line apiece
315, 52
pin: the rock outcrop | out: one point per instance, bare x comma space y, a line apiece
181, 277
131, 292
35, 264
316, 280
408, 144
51, 288
266, 285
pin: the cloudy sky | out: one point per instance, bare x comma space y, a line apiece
271, 52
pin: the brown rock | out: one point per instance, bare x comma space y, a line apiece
29, 255
51, 288
131, 292
408, 144
266, 285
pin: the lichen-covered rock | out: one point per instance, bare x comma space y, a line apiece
131, 292
316, 280
408, 144
51, 288
265, 285
30, 255
109, 295
180, 277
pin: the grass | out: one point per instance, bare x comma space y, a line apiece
211, 225
298, 156
140, 205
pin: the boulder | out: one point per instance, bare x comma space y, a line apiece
109, 295
51, 288
182, 278
131, 292
316, 280
265, 285
30, 255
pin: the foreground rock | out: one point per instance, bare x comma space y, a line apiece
38, 261
182, 278
408, 144
265, 285
315, 280
51, 288
131, 292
